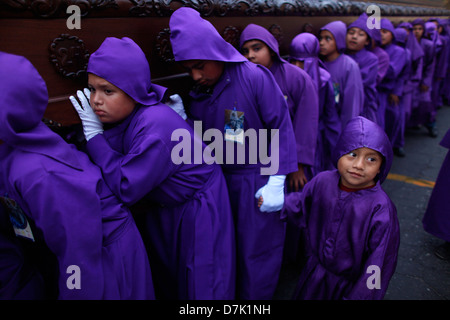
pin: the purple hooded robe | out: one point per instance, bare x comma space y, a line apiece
251, 89
305, 47
368, 65
185, 210
346, 76
300, 94
422, 108
64, 196
436, 220
390, 116
348, 234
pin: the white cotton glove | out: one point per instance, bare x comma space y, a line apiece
176, 103
272, 193
91, 124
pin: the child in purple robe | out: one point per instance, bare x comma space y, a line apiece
358, 42
304, 53
392, 113
184, 209
259, 46
351, 224
226, 83
436, 219
57, 197
345, 73
422, 109
412, 80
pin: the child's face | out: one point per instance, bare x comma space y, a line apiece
109, 103
204, 72
327, 43
298, 63
356, 39
359, 168
386, 37
418, 31
257, 52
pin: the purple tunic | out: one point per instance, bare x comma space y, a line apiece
300, 94
64, 195
346, 77
390, 116
250, 89
368, 65
305, 47
348, 234
436, 220
184, 207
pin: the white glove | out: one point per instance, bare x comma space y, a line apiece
176, 103
91, 124
272, 193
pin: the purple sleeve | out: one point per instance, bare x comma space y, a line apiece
330, 116
428, 67
275, 115
369, 75
67, 211
353, 94
396, 64
297, 205
417, 70
131, 176
305, 119
383, 65
381, 261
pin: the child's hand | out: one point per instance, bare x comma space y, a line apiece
91, 124
260, 201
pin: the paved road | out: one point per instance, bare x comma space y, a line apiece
420, 275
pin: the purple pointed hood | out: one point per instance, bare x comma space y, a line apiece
256, 32
194, 38
419, 21
123, 63
361, 132
411, 43
387, 25
339, 31
305, 47
361, 23
401, 35
23, 101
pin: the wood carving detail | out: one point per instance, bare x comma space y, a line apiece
69, 56
163, 46
164, 8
